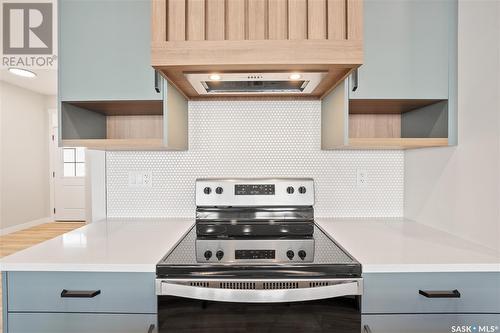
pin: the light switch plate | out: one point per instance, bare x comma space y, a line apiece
137, 179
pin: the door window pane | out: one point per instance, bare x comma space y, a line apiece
69, 170
80, 169
74, 162
69, 155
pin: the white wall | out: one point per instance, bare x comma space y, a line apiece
24, 151
457, 189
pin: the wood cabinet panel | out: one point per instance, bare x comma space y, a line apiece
196, 17
317, 19
337, 22
215, 20
297, 19
278, 19
235, 20
176, 29
257, 19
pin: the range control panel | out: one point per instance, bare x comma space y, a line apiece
254, 250
255, 192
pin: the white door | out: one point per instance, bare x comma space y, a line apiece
69, 181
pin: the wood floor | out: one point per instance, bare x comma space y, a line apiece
23, 239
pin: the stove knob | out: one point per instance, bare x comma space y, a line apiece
290, 190
208, 254
219, 254
219, 190
290, 254
207, 190
302, 190
302, 254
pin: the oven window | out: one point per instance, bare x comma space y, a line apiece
254, 86
339, 315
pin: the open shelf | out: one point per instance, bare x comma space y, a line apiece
382, 123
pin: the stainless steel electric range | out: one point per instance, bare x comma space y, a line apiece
256, 262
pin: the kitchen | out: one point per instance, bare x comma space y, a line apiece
274, 165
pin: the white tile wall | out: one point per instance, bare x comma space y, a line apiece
257, 139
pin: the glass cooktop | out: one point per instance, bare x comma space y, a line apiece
329, 261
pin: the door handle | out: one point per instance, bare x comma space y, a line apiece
354, 77
367, 329
151, 328
157, 81
79, 293
440, 293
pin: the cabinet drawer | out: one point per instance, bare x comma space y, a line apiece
399, 293
80, 323
431, 323
113, 292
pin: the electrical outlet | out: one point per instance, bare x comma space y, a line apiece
361, 177
140, 179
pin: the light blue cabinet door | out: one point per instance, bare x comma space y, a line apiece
104, 50
406, 49
118, 292
80, 323
432, 323
400, 292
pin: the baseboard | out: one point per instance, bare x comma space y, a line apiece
29, 224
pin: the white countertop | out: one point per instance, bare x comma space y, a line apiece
115, 245
385, 245
136, 245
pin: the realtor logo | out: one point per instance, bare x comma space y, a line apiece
27, 28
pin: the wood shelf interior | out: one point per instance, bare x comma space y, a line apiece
113, 123
398, 123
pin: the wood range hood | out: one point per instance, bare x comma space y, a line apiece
257, 36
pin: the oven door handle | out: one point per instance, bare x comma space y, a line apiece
260, 296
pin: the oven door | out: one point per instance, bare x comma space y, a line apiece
259, 306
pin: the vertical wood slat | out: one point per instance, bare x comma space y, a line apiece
215, 19
176, 20
159, 21
257, 19
316, 19
337, 25
297, 19
277, 19
235, 19
195, 19
355, 19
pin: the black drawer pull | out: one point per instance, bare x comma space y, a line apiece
440, 293
80, 293
151, 328
367, 329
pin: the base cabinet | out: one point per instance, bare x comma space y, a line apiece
81, 323
432, 323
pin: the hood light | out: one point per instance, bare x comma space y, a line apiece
214, 77
22, 72
295, 76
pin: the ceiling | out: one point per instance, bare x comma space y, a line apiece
44, 83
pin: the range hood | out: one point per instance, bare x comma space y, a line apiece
255, 83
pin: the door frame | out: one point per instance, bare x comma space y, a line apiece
53, 124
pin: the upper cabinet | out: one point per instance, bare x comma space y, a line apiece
407, 50
405, 94
109, 95
104, 51
257, 36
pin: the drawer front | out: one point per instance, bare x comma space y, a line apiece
81, 323
399, 293
116, 292
431, 323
